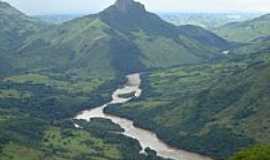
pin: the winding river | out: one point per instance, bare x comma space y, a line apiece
145, 137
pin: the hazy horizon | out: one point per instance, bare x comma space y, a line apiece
42, 7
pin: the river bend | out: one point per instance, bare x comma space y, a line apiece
146, 138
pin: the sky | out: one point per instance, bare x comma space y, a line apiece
37, 7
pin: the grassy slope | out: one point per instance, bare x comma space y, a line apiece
15, 28
212, 109
162, 44
79, 47
246, 31
166, 51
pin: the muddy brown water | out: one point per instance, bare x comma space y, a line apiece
146, 138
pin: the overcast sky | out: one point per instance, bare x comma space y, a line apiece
92, 6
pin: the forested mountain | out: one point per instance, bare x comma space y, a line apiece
246, 31
123, 38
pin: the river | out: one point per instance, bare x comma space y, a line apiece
146, 138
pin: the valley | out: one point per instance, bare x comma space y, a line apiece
146, 138
123, 84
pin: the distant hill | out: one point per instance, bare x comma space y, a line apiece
57, 18
246, 31
206, 20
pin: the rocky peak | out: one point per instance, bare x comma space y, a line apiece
126, 5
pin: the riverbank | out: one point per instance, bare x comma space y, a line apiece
183, 108
146, 138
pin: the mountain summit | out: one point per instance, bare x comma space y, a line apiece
126, 5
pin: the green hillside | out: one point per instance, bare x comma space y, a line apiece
161, 44
16, 27
247, 30
80, 45
124, 38
213, 109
